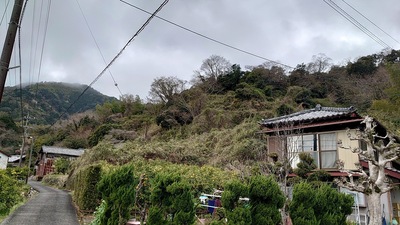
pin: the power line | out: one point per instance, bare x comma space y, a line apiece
32, 38
20, 62
98, 48
209, 38
43, 44
115, 58
5, 12
351, 19
371, 21
37, 37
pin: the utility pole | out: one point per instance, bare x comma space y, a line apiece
30, 160
25, 135
9, 43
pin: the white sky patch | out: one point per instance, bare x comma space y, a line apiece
58, 74
290, 32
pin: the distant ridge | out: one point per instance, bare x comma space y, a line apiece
46, 101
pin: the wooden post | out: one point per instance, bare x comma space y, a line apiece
9, 43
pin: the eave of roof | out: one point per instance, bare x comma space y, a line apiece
15, 158
310, 125
62, 151
388, 171
316, 114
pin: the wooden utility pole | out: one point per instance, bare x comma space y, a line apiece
9, 43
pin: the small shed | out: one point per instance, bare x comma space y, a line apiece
48, 154
13, 160
3, 160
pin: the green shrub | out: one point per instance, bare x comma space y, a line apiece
99, 133
266, 199
10, 192
247, 92
86, 194
117, 188
18, 173
75, 142
100, 210
323, 205
173, 197
61, 165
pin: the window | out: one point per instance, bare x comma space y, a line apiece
322, 147
359, 198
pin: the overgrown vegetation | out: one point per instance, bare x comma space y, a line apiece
12, 189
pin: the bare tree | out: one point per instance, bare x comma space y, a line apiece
379, 152
210, 70
320, 63
285, 155
163, 88
214, 66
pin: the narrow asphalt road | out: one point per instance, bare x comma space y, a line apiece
50, 206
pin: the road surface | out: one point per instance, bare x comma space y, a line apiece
50, 206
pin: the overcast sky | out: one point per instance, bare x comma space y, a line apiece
287, 31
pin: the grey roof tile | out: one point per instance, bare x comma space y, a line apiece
62, 151
311, 114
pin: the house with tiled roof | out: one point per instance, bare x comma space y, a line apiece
324, 132
47, 156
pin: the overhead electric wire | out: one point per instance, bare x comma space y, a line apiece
347, 16
115, 58
98, 48
209, 38
351, 19
371, 22
37, 40
5, 12
32, 40
20, 64
43, 44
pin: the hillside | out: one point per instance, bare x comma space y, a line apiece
44, 102
214, 121
47, 101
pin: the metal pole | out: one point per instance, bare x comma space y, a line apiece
9, 43
30, 157
23, 139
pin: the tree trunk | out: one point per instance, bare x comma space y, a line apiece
374, 208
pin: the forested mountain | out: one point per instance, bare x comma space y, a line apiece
47, 101
44, 103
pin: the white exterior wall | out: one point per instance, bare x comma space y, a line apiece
3, 161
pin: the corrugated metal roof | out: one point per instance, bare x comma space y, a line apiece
63, 151
15, 158
311, 114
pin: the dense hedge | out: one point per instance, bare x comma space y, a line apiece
86, 195
11, 190
117, 188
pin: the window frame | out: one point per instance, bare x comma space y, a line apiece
296, 144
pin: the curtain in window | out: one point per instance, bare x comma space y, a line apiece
328, 148
294, 146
